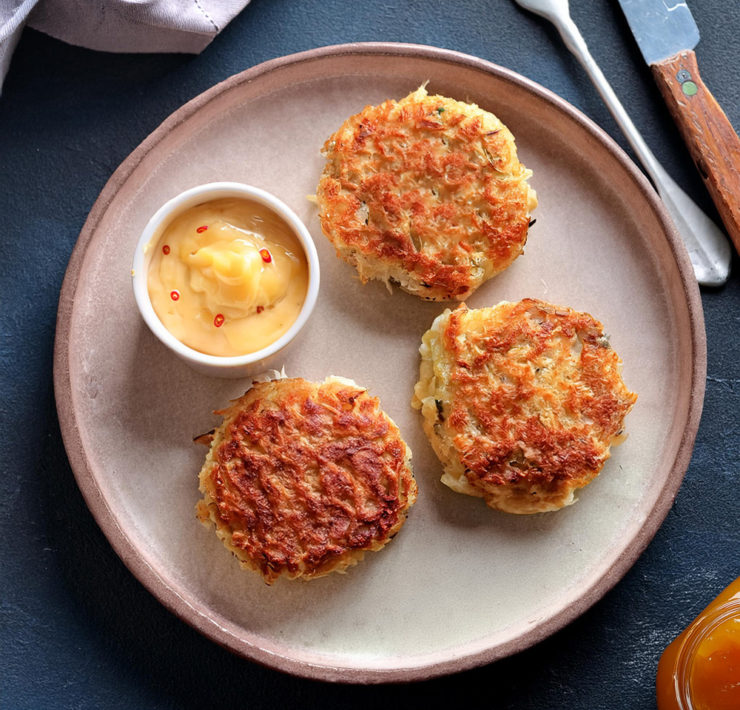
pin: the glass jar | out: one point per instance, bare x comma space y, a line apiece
700, 670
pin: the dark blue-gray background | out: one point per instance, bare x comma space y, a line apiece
77, 630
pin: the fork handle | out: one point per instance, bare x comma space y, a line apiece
709, 135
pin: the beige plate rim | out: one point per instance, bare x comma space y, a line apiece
221, 630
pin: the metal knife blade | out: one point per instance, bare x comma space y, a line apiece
662, 28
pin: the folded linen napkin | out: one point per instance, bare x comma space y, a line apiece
186, 26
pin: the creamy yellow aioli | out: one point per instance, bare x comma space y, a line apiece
231, 288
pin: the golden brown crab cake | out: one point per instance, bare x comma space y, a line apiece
521, 402
426, 192
302, 478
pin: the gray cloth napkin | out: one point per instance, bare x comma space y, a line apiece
117, 25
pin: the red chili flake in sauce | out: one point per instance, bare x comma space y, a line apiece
166, 249
202, 229
266, 256
260, 309
175, 295
218, 321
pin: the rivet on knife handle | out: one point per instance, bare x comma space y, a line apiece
709, 135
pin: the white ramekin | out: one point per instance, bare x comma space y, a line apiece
214, 365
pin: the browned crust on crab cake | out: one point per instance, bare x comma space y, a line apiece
521, 402
303, 478
426, 192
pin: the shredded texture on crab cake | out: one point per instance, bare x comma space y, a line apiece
521, 402
303, 478
426, 192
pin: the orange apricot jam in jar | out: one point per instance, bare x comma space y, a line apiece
700, 670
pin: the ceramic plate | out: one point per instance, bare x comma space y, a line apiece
461, 585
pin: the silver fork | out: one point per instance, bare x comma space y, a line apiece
708, 247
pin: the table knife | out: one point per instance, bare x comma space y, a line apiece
705, 242
666, 34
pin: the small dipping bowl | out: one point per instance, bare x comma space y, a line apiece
215, 365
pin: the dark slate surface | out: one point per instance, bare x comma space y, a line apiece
77, 630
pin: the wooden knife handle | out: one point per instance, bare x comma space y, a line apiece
712, 142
